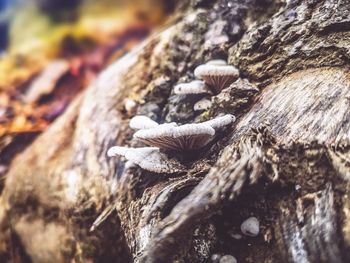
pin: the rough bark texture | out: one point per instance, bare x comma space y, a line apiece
285, 161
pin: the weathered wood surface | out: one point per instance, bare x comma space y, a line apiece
285, 161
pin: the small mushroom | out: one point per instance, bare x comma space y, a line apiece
217, 62
228, 259
215, 258
250, 227
201, 105
148, 158
220, 122
216, 76
193, 87
130, 106
142, 122
184, 137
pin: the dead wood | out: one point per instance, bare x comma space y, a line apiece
285, 160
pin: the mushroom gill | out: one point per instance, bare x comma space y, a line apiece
180, 138
217, 76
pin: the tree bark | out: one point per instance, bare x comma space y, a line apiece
285, 160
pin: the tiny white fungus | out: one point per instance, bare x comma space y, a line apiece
217, 62
193, 87
142, 122
250, 227
117, 150
215, 257
130, 106
228, 259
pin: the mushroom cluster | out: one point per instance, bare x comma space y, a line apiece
165, 138
162, 139
214, 76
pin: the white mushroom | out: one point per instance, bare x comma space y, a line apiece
220, 122
142, 122
185, 137
250, 227
193, 87
148, 158
203, 104
217, 76
228, 259
130, 106
217, 62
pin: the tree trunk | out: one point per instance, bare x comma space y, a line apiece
285, 161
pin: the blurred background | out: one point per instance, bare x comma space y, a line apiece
51, 50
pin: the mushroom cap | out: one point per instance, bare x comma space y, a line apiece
228, 259
117, 150
218, 77
220, 122
142, 122
193, 87
203, 104
184, 137
217, 62
250, 227
148, 158
130, 106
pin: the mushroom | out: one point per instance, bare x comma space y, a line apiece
169, 136
203, 104
193, 87
220, 122
217, 62
228, 259
184, 137
142, 122
217, 76
148, 158
250, 227
130, 106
